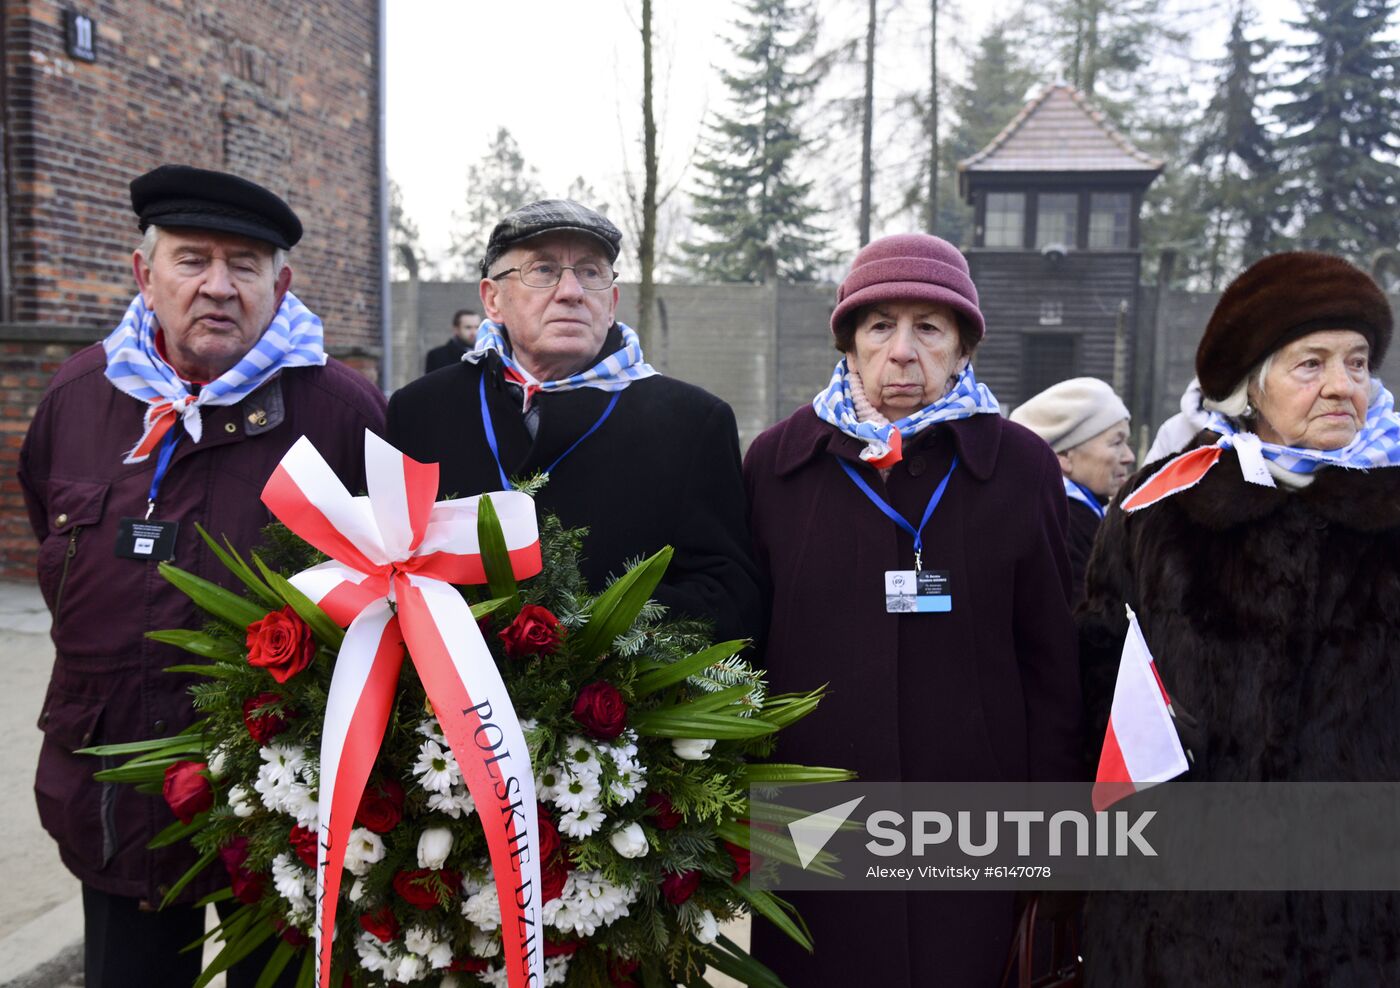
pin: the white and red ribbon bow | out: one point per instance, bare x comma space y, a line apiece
394, 556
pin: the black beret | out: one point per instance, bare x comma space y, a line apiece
549, 216
179, 195
1282, 298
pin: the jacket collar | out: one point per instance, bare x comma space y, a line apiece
977, 438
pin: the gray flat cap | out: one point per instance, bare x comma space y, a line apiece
549, 216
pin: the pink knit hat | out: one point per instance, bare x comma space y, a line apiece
909, 267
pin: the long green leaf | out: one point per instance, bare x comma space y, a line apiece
223, 604
197, 643
212, 670
229, 928
495, 557
616, 608
178, 831
778, 772
771, 908
675, 722
326, 631
182, 743
491, 606
204, 861
280, 956
766, 812
769, 845
786, 714
221, 895
307, 977
729, 958
681, 669
229, 556
235, 950
135, 771
718, 700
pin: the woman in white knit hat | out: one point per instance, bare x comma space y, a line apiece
1086, 424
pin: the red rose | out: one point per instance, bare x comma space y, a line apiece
247, 885
381, 806
472, 965
601, 711
553, 875
186, 788
263, 725
381, 923
550, 841
664, 815
290, 933
742, 860
620, 972
304, 842
281, 643
535, 631
679, 886
420, 886
567, 949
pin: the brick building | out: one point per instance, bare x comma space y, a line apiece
95, 92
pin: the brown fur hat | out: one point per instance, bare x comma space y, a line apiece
1279, 299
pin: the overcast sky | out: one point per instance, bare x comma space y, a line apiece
565, 78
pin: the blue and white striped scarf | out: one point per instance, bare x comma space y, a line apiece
834, 407
613, 373
1084, 496
1377, 444
294, 338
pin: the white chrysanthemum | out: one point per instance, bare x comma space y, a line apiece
496, 977
374, 955
581, 757
363, 849
456, 804
705, 928
556, 970
582, 823
273, 793
547, 783
483, 944
578, 792
436, 768
587, 902
419, 941
290, 878
432, 730
283, 761
240, 800
410, 967
625, 745
472, 884
483, 909
300, 801
631, 780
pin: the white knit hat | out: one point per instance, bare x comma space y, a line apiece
1071, 412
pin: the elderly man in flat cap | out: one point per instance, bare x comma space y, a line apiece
178, 417
556, 385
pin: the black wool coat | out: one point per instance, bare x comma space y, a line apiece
662, 470
1079, 540
1274, 619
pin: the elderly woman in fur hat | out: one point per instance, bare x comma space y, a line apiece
1264, 566
913, 541
1086, 424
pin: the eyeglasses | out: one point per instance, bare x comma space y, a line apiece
592, 275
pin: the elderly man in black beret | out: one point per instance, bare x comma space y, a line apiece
178, 417
556, 385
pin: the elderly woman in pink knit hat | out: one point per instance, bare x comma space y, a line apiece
914, 544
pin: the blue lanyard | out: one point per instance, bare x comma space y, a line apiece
167, 449
894, 515
1089, 498
495, 450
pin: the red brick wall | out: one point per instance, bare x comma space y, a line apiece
283, 93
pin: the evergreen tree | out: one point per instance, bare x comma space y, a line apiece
1238, 160
496, 184
405, 253
1340, 117
754, 211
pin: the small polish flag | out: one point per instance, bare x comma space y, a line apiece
1141, 747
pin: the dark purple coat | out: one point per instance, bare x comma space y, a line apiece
987, 692
108, 685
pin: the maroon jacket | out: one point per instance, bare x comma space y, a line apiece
986, 692
108, 685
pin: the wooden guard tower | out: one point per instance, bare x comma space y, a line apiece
1055, 249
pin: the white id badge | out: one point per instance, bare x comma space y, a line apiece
910, 591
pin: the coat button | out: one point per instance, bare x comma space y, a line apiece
258, 418
61, 520
158, 726
916, 466
230, 427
